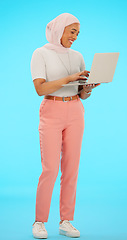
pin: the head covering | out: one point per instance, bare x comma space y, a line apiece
55, 29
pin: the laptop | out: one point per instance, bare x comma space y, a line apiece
102, 69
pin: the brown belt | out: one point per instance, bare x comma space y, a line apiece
64, 99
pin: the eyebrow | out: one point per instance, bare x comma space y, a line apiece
75, 29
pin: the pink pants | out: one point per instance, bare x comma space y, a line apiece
61, 130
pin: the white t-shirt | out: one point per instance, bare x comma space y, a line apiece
50, 65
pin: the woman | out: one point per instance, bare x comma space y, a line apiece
61, 123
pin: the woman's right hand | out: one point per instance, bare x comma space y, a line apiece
78, 76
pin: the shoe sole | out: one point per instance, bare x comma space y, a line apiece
36, 236
62, 232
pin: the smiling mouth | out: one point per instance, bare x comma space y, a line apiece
71, 41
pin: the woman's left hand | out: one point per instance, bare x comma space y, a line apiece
88, 88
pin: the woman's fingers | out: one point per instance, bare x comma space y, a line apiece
97, 84
93, 85
82, 78
86, 73
88, 86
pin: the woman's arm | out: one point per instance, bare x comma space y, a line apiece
43, 88
87, 89
82, 94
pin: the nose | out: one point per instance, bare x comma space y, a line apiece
75, 37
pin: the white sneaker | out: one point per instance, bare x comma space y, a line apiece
67, 229
39, 230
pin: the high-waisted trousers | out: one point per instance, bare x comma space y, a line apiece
61, 127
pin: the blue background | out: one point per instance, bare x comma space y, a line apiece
101, 202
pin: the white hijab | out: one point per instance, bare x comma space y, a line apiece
55, 29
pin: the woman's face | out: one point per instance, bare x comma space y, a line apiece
70, 34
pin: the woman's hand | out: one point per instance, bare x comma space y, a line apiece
78, 76
88, 88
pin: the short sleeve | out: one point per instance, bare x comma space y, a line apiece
82, 64
38, 68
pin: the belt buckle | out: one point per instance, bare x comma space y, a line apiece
67, 100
